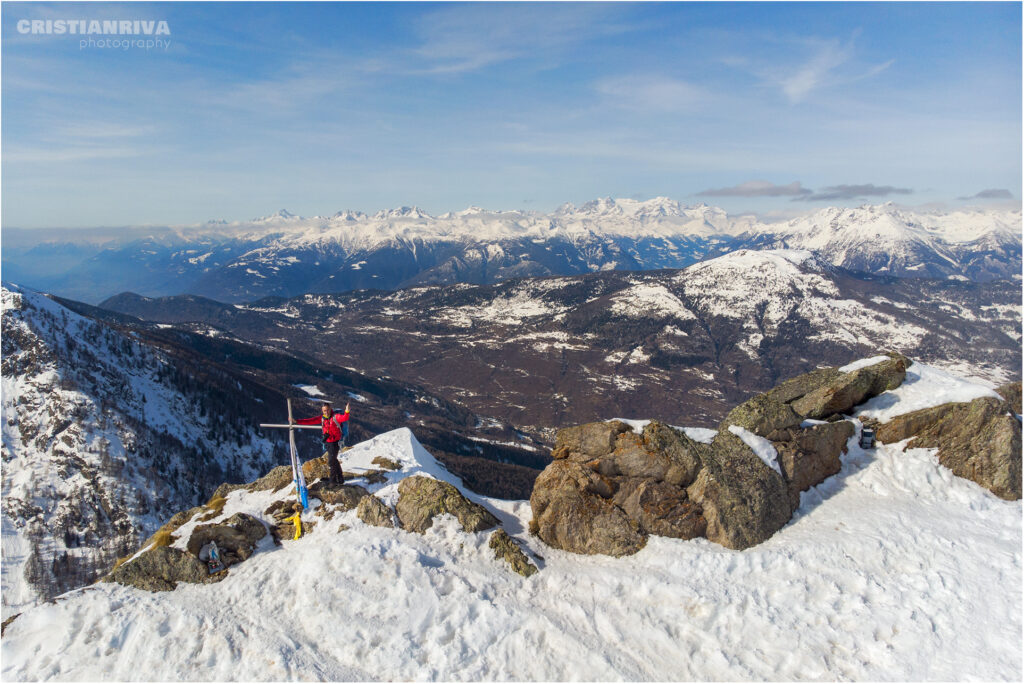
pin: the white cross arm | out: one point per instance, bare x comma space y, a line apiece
297, 427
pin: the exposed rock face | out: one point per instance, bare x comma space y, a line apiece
161, 568
343, 495
609, 487
808, 456
236, 537
744, 501
978, 440
421, 499
373, 511
386, 463
316, 468
1011, 393
849, 389
572, 511
506, 548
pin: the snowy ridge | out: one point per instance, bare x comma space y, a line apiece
99, 444
763, 289
659, 217
892, 569
287, 255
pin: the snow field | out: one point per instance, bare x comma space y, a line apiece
894, 569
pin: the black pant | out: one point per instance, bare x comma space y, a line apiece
337, 477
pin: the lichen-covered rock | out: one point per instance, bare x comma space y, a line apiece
802, 385
743, 500
316, 469
276, 479
762, 415
572, 511
373, 511
682, 453
236, 537
978, 440
589, 441
807, 456
421, 499
849, 389
386, 463
343, 495
660, 508
161, 568
506, 548
1011, 393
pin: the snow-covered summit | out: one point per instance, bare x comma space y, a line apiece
891, 569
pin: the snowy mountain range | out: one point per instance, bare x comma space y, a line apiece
892, 569
679, 345
287, 255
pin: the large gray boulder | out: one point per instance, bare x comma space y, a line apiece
744, 501
421, 499
572, 511
810, 455
849, 389
346, 497
978, 440
161, 568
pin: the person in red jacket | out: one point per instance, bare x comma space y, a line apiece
332, 423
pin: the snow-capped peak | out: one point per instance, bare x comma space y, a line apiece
402, 212
349, 215
279, 215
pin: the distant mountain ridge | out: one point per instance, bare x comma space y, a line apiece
286, 255
540, 352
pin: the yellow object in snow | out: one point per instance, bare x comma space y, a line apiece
297, 521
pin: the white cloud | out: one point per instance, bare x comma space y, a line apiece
648, 92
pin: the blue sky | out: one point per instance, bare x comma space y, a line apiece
318, 107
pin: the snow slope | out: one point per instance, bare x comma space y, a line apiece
101, 441
894, 569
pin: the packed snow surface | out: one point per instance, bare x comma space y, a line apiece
894, 569
924, 387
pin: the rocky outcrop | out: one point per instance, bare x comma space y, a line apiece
572, 510
506, 548
744, 501
609, 487
161, 568
236, 537
849, 389
808, 456
1011, 393
817, 395
344, 496
978, 440
386, 463
421, 499
373, 511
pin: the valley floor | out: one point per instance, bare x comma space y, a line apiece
892, 570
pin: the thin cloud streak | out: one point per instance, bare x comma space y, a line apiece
758, 189
849, 192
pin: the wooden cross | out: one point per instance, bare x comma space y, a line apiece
297, 476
